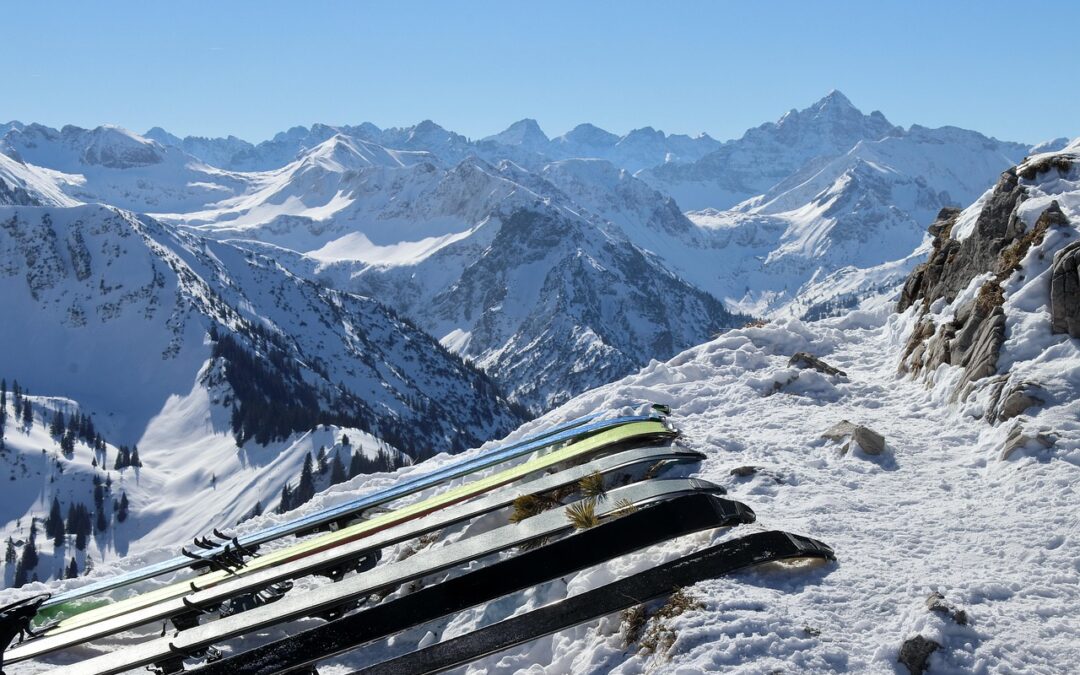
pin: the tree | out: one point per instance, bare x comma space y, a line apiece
27, 412
122, 511
54, 524
337, 470
101, 524
9, 554
135, 461
56, 429
72, 569
306, 489
345, 440
321, 458
20, 575
29, 555
286, 499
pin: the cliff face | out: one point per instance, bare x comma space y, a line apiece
999, 298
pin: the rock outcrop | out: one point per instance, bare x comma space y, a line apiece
868, 440
1065, 291
997, 244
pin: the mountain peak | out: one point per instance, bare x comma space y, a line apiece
836, 98
525, 132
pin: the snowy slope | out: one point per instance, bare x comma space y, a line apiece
105, 293
937, 511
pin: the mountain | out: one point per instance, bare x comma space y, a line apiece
114, 166
767, 154
550, 295
219, 152
23, 184
525, 134
111, 297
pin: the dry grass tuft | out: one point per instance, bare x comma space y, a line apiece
593, 486
583, 514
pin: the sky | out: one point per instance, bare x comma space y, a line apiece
255, 68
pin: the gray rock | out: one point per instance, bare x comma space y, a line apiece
1017, 400
806, 360
915, 652
840, 431
1018, 439
744, 471
871, 442
937, 603
1065, 291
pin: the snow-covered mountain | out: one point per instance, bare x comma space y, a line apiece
541, 279
224, 369
956, 530
114, 166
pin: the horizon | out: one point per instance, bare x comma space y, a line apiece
252, 70
549, 134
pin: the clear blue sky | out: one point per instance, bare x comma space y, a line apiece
252, 68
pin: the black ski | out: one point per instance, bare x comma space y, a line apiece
755, 549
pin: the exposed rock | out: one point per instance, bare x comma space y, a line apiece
744, 471
805, 360
1012, 401
915, 652
839, 431
871, 442
937, 603
1065, 291
1018, 439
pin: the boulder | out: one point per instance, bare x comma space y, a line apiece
806, 360
1065, 291
915, 652
744, 471
871, 442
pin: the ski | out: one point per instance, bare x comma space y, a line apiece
686, 507
576, 429
715, 561
346, 555
612, 439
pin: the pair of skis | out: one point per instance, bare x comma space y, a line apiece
576, 429
344, 557
632, 517
609, 440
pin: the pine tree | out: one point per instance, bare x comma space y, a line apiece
55, 520
27, 412
337, 470
101, 524
135, 461
20, 575
122, 511
306, 489
286, 499
321, 459
356, 464
9, 554
29, 555
72, 569
56, 429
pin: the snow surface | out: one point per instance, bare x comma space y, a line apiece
937, 511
